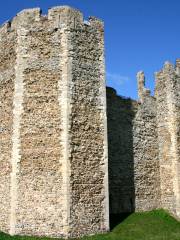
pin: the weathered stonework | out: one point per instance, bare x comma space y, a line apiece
145, 151
57, 147
144, 143
53, 125
120, 116
134, 176
168, 124
7, 75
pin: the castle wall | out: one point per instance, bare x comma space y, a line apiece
145, 150
120, 116
58, 156
88, 136
38, 205
144, 145
53, 131
146, 161
134, 182
168, 124
7, 76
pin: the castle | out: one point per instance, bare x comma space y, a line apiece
71, 151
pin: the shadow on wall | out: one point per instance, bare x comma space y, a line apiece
120, 115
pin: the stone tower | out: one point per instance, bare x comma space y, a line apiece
167, 95
53, 146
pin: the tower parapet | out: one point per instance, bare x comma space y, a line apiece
58, 17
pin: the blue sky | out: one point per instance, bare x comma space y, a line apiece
139, 34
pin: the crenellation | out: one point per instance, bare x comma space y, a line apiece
97, 23
59, 17
30, 14
5, 28
143, 92
65, 16
72, 151
26, 18
177, 66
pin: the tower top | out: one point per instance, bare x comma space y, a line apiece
59, 16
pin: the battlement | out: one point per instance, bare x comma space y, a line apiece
55, 137
178, 66
143, 92
58, 17
166, 75
168, 68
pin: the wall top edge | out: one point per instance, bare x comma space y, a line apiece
59, 16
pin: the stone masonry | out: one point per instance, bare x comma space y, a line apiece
53, 125
144, 146
64, 164
167, 95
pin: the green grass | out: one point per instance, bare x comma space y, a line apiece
154, 225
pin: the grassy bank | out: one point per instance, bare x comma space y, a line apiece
154, 225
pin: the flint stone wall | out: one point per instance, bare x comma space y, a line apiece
8, 41
143, 144
53, 127
53, 131
167, 95
120, 116
146, 161
88, 136
134, 178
